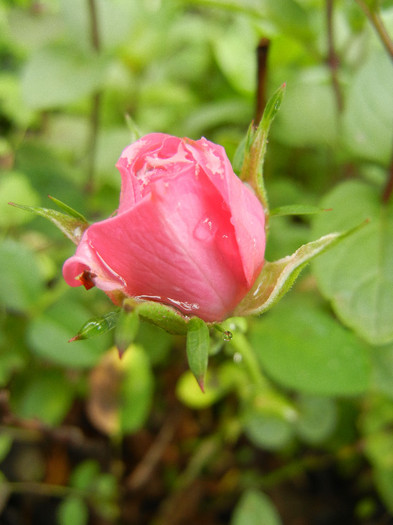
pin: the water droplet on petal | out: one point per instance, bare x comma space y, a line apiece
205, 230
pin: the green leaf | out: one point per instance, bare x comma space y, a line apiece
383, 478
255, 508
277, 277
44, 394
163, 316
309, 111
73, 511
255, 148
136, 391
382, 360
5, 446
296, 209
303, 348
97, 326
234, 49
367, 123
317, 419
85, 474
217, 384
126, 330
73, 228
46, 81
356, 276
15, 185
198, 341
48, 336
21, 282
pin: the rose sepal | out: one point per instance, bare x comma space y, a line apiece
161, 315
97, 326
255, 149
71, 223
197, 347
277, 277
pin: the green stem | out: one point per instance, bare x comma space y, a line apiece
388, 190
332, 59
242, 346
43, 489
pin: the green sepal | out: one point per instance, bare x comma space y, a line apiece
276, 278
126, 329
97, 326
255, 149
296, 209
67, 209
71, 226
198, 341
161, 315
136, 133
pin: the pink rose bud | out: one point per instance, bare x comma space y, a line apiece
188, 232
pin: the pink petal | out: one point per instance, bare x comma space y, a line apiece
248, 217
177, 246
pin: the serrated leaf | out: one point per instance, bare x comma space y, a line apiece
277, 277
198, 341
97, 326
357, 276
255, 149
73, 228
296, 209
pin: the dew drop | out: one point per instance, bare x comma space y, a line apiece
227, 335
204, 230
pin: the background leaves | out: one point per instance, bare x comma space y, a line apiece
297, 401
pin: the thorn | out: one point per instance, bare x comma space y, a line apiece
327, 209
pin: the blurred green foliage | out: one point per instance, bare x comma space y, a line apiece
307, 384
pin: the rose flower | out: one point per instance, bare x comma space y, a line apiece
188, 232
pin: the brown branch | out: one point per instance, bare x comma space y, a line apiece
262, 54
332, 58
95, 101
378, 25
143, 471
389, 184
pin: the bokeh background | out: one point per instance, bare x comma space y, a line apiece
86, 438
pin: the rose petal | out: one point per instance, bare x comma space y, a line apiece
164, 250
247, 212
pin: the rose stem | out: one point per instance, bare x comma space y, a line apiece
262, 54
332, 58
389, 185
376, 21
95, 101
